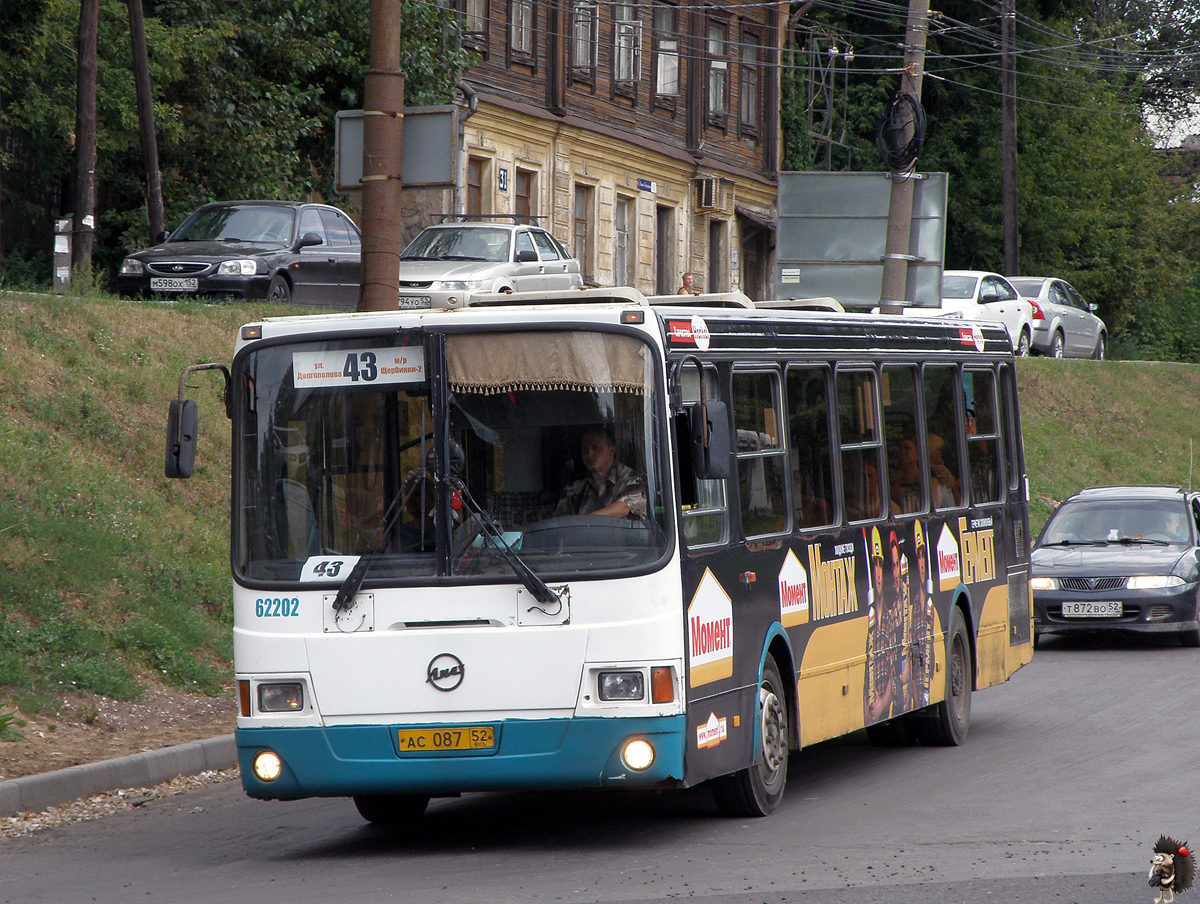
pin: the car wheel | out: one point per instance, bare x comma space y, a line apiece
1098, 354
1057, 346
1023, 345
280, 289
758, 789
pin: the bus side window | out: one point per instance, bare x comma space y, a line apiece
858, 427
906, 476
761, 459
1008, 423
808, 407
983, 435
702, 501
939, 385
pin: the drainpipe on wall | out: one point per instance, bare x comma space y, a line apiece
472, 105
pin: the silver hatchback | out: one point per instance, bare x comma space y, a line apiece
447, 264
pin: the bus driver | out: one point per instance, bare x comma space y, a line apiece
610, 488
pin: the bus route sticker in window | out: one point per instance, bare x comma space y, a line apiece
359, 366
710, 632
327, 568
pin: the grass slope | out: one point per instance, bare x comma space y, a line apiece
110, 573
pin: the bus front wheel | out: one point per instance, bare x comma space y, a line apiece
391, 811
947, 722
758, 789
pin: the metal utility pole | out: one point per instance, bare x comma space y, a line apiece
85, 137
383, 138
1008, 134
145, 105
893, 293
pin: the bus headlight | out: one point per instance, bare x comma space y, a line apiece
637, 755
267, 765
621, 686
280, 698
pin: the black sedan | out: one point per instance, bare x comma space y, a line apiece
236, 250
1120, 558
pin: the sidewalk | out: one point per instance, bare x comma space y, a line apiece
33, 793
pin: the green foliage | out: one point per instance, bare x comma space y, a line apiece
10, 727
110, 573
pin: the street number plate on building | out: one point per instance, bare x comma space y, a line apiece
1088, 609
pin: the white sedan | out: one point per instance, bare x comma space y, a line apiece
978, 295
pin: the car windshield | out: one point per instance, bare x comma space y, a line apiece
1027, 286
1118, 521
265, 225
456, 243
958, 286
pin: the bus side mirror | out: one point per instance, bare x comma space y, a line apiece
709, 420
183, 421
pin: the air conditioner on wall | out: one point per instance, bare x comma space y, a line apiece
712, 194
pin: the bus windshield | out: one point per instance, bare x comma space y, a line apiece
553, 441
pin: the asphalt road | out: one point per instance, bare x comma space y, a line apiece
1070, 773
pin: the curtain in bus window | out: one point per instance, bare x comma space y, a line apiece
983, 435
760, 453
906, 488
858, 429
808, 407
941, 387
494, 363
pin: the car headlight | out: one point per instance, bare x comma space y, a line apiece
237, 268
1152, 581
131, 267
458, 285
1043, 583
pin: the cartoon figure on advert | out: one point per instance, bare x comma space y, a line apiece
1172, 869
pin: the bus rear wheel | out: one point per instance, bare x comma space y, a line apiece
758, 789
945, 724
392, 811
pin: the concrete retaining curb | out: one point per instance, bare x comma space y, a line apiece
33, 793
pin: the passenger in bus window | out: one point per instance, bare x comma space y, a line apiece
943, 483
610, 487
904, 475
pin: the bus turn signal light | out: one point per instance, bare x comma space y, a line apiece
662, 685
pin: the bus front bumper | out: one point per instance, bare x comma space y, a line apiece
346, 760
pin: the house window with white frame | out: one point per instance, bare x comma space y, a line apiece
717, 47
475, 18
627, 39
624, 250
520, 27
666, 51
584, 22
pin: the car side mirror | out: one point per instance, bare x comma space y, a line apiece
525, 256
309, 239
162, 237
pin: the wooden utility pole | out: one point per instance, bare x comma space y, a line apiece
893, 296
1008, 134
85, 138
383, 138
145, 105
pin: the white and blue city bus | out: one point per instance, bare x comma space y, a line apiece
824, 528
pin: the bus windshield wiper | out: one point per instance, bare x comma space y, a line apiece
495, 535
350, 586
